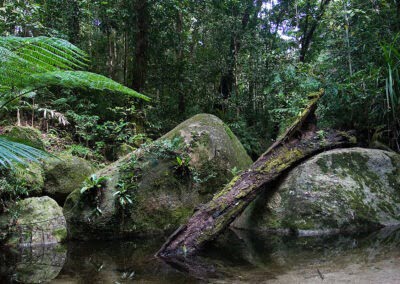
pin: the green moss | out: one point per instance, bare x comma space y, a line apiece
164, 198
227, 188
394, 176
65, 174
60, 234
26, 135
229, 132
352, 164
283, 160
323, 164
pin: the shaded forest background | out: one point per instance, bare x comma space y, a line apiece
251, 63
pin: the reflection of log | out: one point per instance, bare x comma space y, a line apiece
299, 142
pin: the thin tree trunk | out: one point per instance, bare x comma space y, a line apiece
111, 53
347, 37
310, 28
228, 79
139, 75
125, 56
179, 56
73, 21
298, 143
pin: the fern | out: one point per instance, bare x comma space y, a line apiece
27, 64
30, 63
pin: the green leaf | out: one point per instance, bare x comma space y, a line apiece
13, 152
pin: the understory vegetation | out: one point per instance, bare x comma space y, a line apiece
152, 64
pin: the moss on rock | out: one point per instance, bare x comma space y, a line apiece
34, 221
340, 190
25, 134
64, 174
164, 191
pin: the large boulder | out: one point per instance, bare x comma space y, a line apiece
33, 221
25, 134
64, 174
157, 187
342, 190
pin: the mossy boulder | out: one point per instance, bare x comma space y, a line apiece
33, 221
25, 134
346, 190
64, 174
156, 188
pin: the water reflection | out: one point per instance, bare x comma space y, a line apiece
32, 264
238, 256
310, 259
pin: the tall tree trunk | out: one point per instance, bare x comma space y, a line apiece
140, 68
347, 37
298, 143
73, 21
227, 82
179, 56
111, 36
310, 27
125, 63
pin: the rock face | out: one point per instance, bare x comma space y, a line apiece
342, 190
65, 174
27, 135
156, 188
40, 221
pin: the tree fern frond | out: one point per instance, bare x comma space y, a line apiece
42, 61
27, 64
83, 80
58, 49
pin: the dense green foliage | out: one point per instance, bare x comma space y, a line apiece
252, 63
28, 64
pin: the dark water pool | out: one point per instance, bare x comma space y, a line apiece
238, 257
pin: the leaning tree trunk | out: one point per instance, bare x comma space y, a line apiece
299, 142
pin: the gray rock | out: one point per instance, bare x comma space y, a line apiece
342, 190
34, 221
64, 174
164, 192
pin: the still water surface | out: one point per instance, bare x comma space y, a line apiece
238, 257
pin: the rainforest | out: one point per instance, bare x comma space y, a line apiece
199, 141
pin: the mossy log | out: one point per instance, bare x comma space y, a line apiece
298, 143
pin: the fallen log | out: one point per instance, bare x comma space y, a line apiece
298, 143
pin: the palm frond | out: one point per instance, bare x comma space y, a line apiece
12, 152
